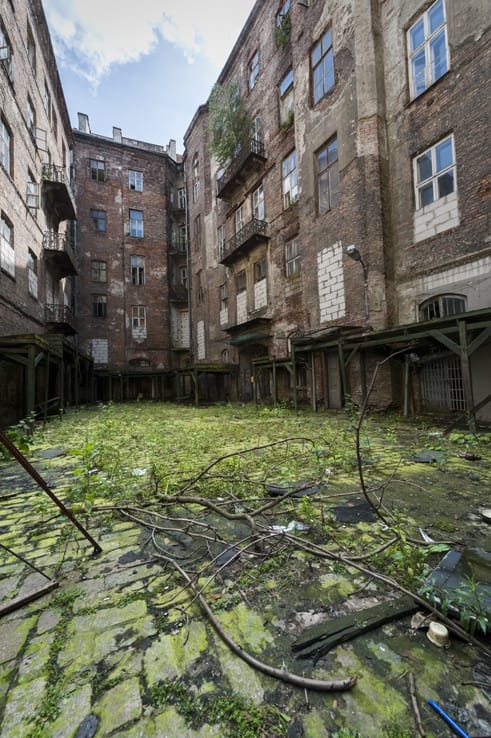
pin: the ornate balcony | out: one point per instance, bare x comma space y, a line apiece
253, 233
178, 293
59, 253
58, 194
250, 158
59, 319
178, 246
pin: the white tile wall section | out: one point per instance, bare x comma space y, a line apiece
139, 334
224, 316
100, 350
242, 307
330, 277
260, 294
201, 339
440, 216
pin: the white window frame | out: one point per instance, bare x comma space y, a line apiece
98, 271
443, 306
289, 179
283, 12
138, 317
7, 253
433, 183
293, 259
221, 241
253, 68
239, 219
137, 270
195, 177
135, 180
181, 198
5, 145
136, 223
32, 274
32, 195
6, 55
97, 170
257, 129
322, 66
99, 220
422, 39
258, 209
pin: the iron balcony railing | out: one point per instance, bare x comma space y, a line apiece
179, 245
252, 150
59, 314
59, 191
58, 247
252, 233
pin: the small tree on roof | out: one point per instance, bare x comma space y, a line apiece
229, 122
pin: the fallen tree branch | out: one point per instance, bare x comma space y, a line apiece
319, 685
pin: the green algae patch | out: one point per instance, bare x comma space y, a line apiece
13, 635
36, 657
242, 678
73, 709
22, 707
119, 706
171, 654
170, 723
314, 725
245, 627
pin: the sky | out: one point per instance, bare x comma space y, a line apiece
142, 65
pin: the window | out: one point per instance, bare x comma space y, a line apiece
253, 70
97, 170
428, 48
47, 100
98, 218
138, 270
31, 49
32, 191
181, 198
257, 129
197, 233
327, 176
136, 223
223, 294
54, 123
99, 306
239, 219
293, 264
442, 306
221, 241
138, 317
183, 277
259, 270
434, 173
258, 203
98, 271
195, 178
31, 116
283, 12
322, 65
7, 256
135, 180
289, 179
287, 82
6, 54
240, 281
32, 274
5, 146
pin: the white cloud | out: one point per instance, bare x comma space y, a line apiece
93, 36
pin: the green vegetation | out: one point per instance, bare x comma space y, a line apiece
229, 122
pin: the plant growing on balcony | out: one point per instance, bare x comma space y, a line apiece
229, 123
283, 30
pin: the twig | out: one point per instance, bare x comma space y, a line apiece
414, 704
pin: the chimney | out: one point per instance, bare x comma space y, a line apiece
117, 135
171, 149
83, 123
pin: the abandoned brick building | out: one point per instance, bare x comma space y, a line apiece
348, 225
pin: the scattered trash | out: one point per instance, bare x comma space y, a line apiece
426, 538
139, 472
469, 456
438, 635
428, 456
354, 513
292, 526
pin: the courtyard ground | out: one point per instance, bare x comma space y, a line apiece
251, 524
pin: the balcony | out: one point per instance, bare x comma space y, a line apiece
250, 159
59, 253
59, 319
58, 194
178, 293
253, 233
178, 246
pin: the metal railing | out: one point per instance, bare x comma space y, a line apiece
253, 147
251, 230
56, 313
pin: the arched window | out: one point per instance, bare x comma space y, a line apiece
442, 306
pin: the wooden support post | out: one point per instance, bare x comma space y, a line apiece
46, 389
406, 385
363, 375
466, 374
294, 378
342, 371
275, 398
31, 379
314, 381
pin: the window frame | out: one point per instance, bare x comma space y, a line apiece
138, 317
99, 306
258, 204
425, 47
32, 274
260, 270
7, 62
325, 56
253, 70
286, 82
197, 232
293, 258
97, 172
137, 266
195, 177
289, 179
223, 296
135, 178
239, 218
241, 281
221, 241
98, 271
99, 220
136, 229
7, 247
437, 174
6, 146
441, 303
331, 169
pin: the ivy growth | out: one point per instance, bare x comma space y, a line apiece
229, 123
